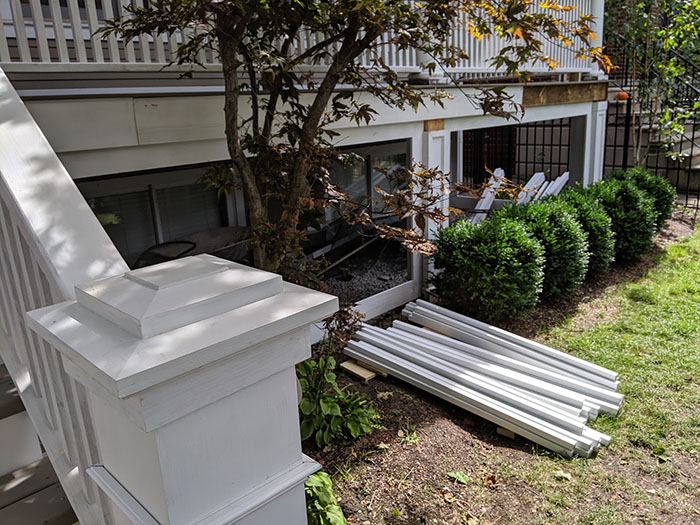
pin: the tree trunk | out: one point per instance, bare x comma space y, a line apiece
254, 202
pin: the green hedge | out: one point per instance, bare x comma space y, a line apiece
632, 213
491, 270
563, 239
658, 188
597, 225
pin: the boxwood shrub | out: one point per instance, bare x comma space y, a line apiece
632, 213
596, 223
563, 239
658, 188
491, 271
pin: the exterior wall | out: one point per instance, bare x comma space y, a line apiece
120, 134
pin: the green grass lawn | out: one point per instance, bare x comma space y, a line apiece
434, 464
650, 334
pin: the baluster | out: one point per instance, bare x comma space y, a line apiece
40, 31
78, 451
112, 43
16, 299
88, 446
31, 289
77, 27
160, 49
94, 25
129, 52
144, 45
20, 31
17, 342
4, 49
65, 423
59, 31
172, 44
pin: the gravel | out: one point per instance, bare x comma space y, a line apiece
369, 272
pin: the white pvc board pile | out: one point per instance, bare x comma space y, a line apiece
533, 390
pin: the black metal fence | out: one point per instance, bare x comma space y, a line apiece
634, 134
520, 150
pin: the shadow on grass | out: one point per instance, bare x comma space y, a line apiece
550, 314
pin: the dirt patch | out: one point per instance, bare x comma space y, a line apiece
401, 473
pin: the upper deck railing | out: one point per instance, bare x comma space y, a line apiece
59, 35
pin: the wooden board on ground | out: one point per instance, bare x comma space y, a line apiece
354, 368
505, 432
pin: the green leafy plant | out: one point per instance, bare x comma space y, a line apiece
563, 239
632, 213
596, 223
458, 477
321, 505
658, 188
491, 270
409, 435
328, 412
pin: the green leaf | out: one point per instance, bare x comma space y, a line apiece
307, 429
354, 428
326, 407
459, 476
306, 406
659, 452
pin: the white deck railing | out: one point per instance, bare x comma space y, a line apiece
38, 37
49, 241
183, 411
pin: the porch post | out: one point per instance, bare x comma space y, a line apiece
436, 155
599, 116
189, 368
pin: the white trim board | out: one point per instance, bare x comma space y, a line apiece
377, 304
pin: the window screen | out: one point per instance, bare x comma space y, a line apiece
128, 220
188, 209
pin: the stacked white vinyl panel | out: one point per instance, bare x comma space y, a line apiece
533, 390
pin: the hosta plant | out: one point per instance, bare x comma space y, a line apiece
329, 413
321, 505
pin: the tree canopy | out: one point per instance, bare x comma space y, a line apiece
294, 67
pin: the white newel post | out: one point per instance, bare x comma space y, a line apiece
189, 366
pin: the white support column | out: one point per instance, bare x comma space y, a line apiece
436, 155
189, 368
599, 116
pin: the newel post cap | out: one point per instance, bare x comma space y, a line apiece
134, 331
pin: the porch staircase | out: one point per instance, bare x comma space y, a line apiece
683, 173
30, 492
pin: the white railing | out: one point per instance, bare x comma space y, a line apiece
49, 241
34, 36
119, 394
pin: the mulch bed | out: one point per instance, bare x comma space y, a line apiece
398, 474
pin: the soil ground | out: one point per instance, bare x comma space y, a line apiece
399, 474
